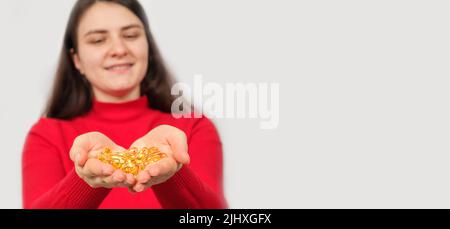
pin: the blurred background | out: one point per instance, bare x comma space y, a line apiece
364, 100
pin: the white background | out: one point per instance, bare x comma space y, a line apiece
364, 111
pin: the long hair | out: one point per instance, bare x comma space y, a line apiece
72, 93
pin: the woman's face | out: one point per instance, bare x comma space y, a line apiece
112, 51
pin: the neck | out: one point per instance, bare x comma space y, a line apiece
110, 111
117, 97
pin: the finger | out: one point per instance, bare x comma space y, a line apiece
84, 143
130, 179
178, 142
98, 182
94, 182
79, 150
139, 187
81, 158
143, 177
94, 167
116, 179
79, 171
163, 167
144, 181
153, 170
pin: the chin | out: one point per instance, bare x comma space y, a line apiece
123, 84
120, 90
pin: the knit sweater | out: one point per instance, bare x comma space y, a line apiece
50, 181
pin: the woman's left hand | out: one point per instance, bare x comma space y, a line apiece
169, 140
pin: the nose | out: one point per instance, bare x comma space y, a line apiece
118, 48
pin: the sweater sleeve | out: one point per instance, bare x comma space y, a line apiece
46, 184
199, 184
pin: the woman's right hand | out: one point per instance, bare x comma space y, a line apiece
84, 152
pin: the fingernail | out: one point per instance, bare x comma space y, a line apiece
77, 158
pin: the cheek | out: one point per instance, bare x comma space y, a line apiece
92, 66
91, 60
140, 51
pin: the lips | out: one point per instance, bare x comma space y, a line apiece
119, 68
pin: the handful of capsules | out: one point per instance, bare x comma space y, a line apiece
133, 160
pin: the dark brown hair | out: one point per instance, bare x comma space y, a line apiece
72, 94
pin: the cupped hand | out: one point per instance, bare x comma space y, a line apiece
84, 152
169, 140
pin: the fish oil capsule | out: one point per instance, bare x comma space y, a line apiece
132, 160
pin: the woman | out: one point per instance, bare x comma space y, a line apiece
112, 90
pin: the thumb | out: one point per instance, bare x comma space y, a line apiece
78, 155
178, 142
80, 148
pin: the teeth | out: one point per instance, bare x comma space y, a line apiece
120, 67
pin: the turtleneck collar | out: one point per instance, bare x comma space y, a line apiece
120, 111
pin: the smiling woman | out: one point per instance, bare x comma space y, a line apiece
112, 92
112, 51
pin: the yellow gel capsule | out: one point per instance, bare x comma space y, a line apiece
133, 160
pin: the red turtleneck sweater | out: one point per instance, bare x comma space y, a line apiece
50, 181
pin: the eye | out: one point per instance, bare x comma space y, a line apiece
96, 41
131, 35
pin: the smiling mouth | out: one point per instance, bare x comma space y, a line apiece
119, 68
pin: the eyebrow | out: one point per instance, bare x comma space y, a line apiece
102, 31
